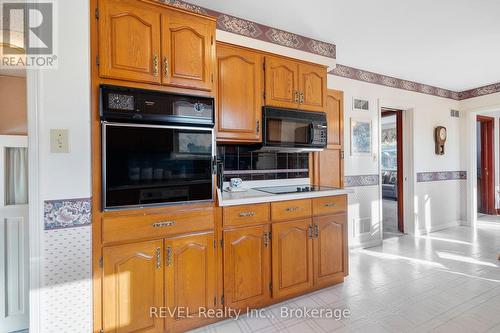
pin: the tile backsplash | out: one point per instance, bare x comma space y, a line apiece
242, 162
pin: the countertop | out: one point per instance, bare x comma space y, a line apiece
252, 196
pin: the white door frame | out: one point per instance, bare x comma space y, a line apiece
471, 160
35, 233
409, 216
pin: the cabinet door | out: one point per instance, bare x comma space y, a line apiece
133, 283
246, 267
189, 279
335, 118
312, 87
282, 82
188, 50
329, 170
239, 94
129, 41
291, 258
330, 249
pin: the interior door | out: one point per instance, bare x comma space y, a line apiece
189, 279
486, 165
133, 283
292, 257
188, 50
282, 83
312, 87
246, 266
129, 41
329, 249
239, 94
14, 252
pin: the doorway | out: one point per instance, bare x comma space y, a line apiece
485, 159
391, 166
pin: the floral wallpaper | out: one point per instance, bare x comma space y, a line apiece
67, 213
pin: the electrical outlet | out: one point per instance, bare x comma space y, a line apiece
59, 141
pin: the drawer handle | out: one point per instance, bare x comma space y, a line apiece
292, 209
330, 204
163, 224
247, 214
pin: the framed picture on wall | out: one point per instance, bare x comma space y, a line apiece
360, 104
361, 136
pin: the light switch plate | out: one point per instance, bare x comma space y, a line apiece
59, 141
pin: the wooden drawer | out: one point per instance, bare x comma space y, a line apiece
130, 227
290, 210
329, 205
245, 215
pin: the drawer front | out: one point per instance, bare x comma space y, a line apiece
329, 205
130, 227
245, 215
290, 210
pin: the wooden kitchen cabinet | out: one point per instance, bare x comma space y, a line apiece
282, 82
240, 91
329, 249
312, 87
129, 41
189, 278
292, 260
133, 282
247, 266
188, 50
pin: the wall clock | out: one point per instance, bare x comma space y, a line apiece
440, 138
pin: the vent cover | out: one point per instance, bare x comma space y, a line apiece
455, 113
362, 226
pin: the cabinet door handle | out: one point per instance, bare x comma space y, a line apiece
247, 214
296, 96
316, 231
329, 204
169, 256
292, 209
266, 239
301, 97
257, 126
310, 231
165, 64
158, 257
155, 65
163, 224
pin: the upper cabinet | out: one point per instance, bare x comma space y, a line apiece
148, 43
129, 41
188, 50
240, 89
294, 84
282, 82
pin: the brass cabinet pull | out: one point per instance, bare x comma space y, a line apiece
163, 224
316, 231
301, 97
169, 255
310, 231
329, 204
296, 96
292, 209
165, 64
158, 257
257, 126
266, 239
247, 214
155, 65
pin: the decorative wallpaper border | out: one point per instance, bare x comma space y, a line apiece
423, 177
361, 180
388, 81
67, 213
481, 91
262, 32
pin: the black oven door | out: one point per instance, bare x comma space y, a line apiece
147, 165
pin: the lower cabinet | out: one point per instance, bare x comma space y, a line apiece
158, 286
133, 283
189, 279
329, 249
292, 258
247, 267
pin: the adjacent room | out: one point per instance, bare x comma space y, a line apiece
207, 166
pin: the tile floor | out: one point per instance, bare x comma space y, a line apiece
447, 281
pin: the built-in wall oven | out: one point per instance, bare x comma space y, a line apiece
157, 148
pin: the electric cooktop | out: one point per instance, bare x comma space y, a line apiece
294, 189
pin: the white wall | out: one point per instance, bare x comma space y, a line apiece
65, 298
434, 208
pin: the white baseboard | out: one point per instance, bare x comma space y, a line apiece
366, 244
435, 228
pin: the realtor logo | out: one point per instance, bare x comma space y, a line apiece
27, 34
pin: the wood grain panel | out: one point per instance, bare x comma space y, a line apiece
246, 215
289, 210
329, 205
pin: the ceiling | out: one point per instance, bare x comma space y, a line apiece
451, 44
